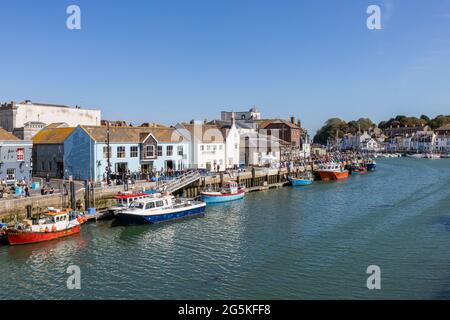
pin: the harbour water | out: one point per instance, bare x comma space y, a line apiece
311, 242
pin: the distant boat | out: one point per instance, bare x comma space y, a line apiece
332, 171
445, 156
432, 156
371, 165
304, 180
159, 209
230, 191
416, 155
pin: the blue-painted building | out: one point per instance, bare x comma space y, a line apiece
131, 149
15, 158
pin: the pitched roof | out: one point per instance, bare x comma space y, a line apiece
131, 134
207, 133
445, 127
52, 135
6, 136
263, 123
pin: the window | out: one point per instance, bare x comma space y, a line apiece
150, 205
149, 151
50, 166
10, 174
20, 154
121, 152
159, 151
105, 152
134, 152
202, 147
43, 165
220, 147
169, 151
180, 150
159, 203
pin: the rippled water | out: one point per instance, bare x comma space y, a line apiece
308, 242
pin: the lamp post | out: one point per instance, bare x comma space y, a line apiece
108, 155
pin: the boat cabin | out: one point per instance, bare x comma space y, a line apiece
125, 200
153, 203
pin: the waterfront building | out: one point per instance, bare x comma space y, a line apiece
126, 149
27, 118
369, 145
207, 145
396, 129
443, 139
423, 142
15, 158
48, 151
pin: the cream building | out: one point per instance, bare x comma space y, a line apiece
24, 116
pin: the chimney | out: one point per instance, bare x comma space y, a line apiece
293, 120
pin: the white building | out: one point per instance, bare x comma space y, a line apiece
213, 147
443, 139
252, 114
369, 145
26, 115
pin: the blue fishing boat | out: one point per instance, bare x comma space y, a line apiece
371, 165
304, 180
160, 209
231, 191
3, 237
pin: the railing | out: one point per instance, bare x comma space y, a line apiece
180, 182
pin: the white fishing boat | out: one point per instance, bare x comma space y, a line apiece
432, 156
159, 209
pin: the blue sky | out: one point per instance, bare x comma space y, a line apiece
168, 61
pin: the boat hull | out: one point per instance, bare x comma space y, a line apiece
134, 219
214, 198
300, 182
371, 166
18, 237
331, 175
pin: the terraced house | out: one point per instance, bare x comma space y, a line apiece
15, 158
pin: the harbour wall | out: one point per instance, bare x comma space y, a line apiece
257, 179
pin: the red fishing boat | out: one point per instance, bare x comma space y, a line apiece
49, 226
332, 171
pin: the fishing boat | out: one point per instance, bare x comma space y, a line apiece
3, 237
356, 168
416, 155
371, 165
160, 209
432, 156
306, 179
332, 171
124, 200
49, 226
229, 192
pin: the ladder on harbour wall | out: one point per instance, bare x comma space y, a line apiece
179, 182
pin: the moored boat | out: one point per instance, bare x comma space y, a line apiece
52, 225
160, 209
371, 165
332, 171
3, 237
124, 200
445, 156
304, 180
432, 156
230, 191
